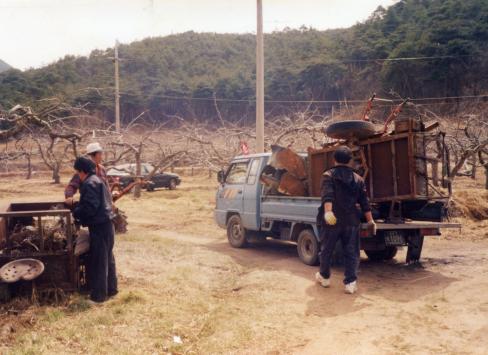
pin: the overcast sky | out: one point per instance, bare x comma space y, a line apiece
37, 32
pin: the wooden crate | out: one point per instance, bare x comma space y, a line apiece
61, 267
395, 167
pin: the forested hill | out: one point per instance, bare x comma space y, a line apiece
4, 66
300, 64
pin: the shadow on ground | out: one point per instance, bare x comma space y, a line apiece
389, 281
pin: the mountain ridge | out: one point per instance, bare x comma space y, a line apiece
300, 65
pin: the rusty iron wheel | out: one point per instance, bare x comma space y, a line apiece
308, 247
350, 129
236, 233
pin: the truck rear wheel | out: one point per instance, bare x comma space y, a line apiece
308, 247
236, 233
378, 255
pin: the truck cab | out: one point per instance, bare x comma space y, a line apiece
239, 192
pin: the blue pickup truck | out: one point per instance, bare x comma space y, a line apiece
247, 211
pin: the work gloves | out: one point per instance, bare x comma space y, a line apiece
330, 218
372, 227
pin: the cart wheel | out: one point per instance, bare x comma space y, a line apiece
308, 247
378, 255
236, 233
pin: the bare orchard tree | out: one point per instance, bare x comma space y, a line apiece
214, 146
24, 149
146, 148
51, 128
468, 142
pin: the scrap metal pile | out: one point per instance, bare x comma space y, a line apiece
27, 236
405, 167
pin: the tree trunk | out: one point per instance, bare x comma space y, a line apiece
56, 176
137, 188
473, 170
29, 167
484, 164
486, 177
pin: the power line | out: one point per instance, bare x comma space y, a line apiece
393, 101
399, 59
189, 98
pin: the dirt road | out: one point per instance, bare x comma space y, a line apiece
438, 307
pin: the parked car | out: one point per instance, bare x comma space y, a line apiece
125, 174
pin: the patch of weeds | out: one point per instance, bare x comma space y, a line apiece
53, 315
103, 319
118, 311
130, 297
78, 304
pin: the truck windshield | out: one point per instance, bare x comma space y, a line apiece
237, 173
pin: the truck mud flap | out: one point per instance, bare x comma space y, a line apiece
415, 244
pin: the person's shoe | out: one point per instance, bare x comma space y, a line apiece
112, 293
322, 280
351, 287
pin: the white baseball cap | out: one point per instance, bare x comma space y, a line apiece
93, 148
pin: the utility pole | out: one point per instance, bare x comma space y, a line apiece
259, 80
117, 93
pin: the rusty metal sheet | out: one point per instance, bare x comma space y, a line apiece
382, 166
319, 161
287, 159
402, 167
291, 186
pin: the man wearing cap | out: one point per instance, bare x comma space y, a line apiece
95, 211
95, 152
339, 218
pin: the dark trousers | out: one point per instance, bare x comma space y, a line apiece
349, 237
101, 270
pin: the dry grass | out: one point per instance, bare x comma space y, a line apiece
177, 278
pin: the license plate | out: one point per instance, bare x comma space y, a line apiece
394, 238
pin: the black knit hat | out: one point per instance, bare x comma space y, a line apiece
85, 165
343, 155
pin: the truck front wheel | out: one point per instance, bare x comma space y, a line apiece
308, 247
378, 255
236, 233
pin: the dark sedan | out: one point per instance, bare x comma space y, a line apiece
125, 174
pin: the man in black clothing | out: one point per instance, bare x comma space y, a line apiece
95, 211
339, 218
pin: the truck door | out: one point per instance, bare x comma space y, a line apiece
231, 193
252, 194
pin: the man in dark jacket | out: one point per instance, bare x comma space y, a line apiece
95, 211
339, 218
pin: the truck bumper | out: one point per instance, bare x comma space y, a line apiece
220, 217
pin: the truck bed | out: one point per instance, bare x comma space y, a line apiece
304, 210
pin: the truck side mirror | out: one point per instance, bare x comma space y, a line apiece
221, 176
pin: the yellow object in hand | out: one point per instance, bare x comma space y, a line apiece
330, 218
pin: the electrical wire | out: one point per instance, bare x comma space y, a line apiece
189, 98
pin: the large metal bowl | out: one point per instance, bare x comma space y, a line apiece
21, 269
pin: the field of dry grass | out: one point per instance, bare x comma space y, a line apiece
179, 280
